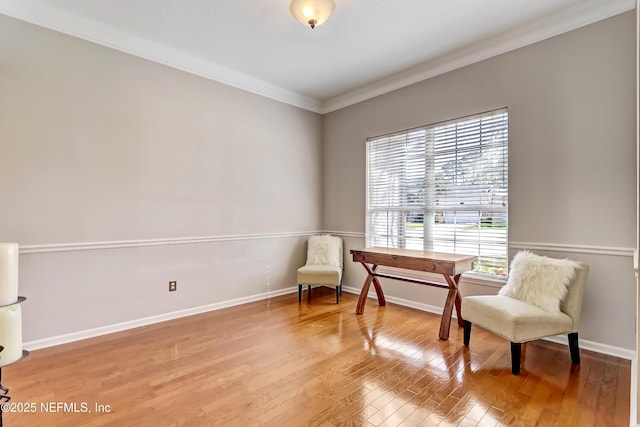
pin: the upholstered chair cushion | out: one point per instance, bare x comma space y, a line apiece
512, 319
320, 274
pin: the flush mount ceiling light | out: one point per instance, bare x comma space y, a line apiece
312, 12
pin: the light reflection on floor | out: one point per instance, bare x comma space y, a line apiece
382, 403
415, 376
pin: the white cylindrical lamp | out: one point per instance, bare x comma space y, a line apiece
8, 273
10, 334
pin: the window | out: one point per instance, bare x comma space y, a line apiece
442, 188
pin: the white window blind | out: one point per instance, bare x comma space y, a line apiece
442, 188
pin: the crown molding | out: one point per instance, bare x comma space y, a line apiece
44, 15
587, 12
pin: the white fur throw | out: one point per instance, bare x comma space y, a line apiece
539, 280
324, 250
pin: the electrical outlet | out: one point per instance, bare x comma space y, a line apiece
173, 286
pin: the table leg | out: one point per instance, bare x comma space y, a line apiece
371, 277
456, 279
379, 293
453, 300
363, 294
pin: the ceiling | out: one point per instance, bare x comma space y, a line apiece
368, 47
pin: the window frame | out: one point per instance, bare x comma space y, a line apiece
429, 208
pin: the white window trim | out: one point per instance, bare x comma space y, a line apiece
404, 205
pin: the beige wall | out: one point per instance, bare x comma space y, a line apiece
571, 102
100, 146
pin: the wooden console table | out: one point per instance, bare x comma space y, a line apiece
450, 266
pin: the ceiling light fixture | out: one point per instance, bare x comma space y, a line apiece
312, 12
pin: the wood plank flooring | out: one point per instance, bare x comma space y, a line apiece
282, 363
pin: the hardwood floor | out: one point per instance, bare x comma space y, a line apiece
281, 363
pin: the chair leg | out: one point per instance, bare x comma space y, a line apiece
467, 332
299, 293
574, 349
337, 294
308, 293
516, 351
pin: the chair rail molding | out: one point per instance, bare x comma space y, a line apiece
541, 246
581, 249
84, 246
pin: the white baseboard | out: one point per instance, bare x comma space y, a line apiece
118, 327
597, 347
622, 353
